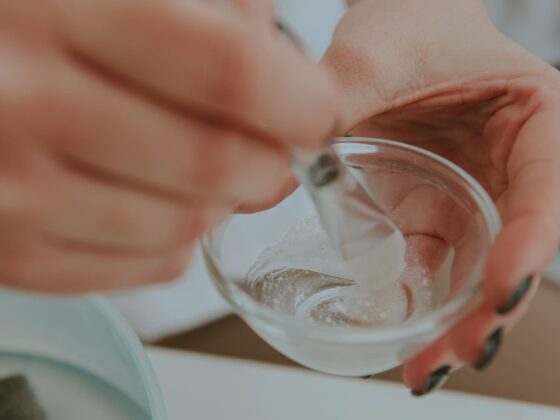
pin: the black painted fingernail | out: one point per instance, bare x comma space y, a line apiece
490, 349
516, 296
366, 376
435, 381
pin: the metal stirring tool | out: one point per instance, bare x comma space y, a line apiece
358, 227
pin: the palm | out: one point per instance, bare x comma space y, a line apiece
482, 102
456, 132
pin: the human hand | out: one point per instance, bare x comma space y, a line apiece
128, 128
437, 74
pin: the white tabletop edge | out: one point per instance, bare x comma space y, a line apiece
187, 378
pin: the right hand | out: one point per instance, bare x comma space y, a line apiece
130, 127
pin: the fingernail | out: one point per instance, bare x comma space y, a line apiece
435, 381
324, 170
490, 349
516, 296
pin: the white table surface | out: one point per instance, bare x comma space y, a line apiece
200, 387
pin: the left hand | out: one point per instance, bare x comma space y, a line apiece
437, 74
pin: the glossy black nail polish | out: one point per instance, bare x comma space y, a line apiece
516, 296
490, 349
435, 381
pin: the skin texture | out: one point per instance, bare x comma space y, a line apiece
123, 138
437, 74
128, 128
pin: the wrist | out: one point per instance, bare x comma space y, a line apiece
384, 50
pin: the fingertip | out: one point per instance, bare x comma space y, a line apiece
516, 296
418, 371
522, 250
173, 267
470, 333
436, 379
489, 349
252, 207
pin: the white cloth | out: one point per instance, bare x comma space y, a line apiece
192, 301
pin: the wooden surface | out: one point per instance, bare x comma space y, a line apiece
527, 368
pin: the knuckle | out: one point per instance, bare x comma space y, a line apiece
26, 88
31, 100
42, 112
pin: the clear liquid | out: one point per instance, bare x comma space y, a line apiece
316, 298
370, 245
320, 298
67, 393
304, 277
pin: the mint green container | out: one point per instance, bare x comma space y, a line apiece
80, 357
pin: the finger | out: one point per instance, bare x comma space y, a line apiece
429, 369
37, 195
22, 169
529, 239
289, 187
135, 143
82, 210
49, 267
476, 339
206, 60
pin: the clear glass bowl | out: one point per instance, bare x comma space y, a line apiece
80, 357
279, 273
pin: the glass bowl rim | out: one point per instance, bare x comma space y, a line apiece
248, 308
